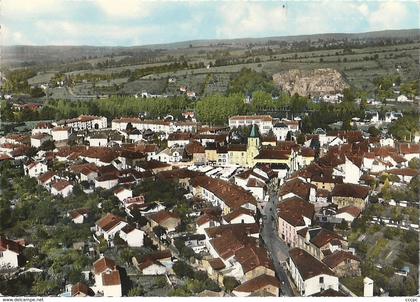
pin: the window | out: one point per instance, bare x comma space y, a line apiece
1, 254
321, 279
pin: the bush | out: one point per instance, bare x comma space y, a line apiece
230, 283
181, 269
136, 291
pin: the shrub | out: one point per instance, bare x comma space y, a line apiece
230, 283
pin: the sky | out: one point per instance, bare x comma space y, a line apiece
137, 22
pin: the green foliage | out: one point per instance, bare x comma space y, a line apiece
167, 192
372, 130
182, 269
48, 145
136, 291
343, 225
45, 287
414, 163
37, 92
386, 190
230, 283
248, 81
115, 107
405, 127
410, 89
217, 109
17, 80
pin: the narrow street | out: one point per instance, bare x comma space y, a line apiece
278, 250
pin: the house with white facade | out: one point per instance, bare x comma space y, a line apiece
310, 275
264, 122
10, 253
131, 235
107, 278
294, 214
34, 168
109, 225
61, 187
38, 139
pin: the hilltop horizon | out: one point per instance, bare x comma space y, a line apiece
132, 22
207, 41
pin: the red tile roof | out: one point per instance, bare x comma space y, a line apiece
236, 213
307, 265
81, 288
258, 283
403, 172
161, 216
7, 244
111, 278
350, 190
60, 185
103, 264
216, 264
46, 176
352, 210
298, 187
232, 195
109, 222
251, 257
293, 209
338, 257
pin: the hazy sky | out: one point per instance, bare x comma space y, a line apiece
133, 22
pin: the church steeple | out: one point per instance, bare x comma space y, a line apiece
253, 145
254, 132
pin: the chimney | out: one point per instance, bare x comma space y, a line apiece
367, 287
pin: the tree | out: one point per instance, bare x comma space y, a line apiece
230, 283
103, 246
386, 190
343, 225
181, 269
48, 145
136, 291
414, 163
374, 131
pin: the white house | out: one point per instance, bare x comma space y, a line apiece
109, 225
78, 216
61, 187
170, 155
152, 267
264, 284
107, 181
34, 169
293, 213
131, 235
84, 122
350, 171
240, 215
123, 193
310, 275
264, 122
38, 139
42, 127
206, 221
348, 213
10, 253
107, 277
60, 133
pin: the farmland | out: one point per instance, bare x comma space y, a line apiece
206, 67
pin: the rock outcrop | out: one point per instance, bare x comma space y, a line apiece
311, 82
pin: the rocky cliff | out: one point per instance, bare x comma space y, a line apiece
311, 82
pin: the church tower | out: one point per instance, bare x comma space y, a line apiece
253, 146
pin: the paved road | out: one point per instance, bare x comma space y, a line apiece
276, 247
